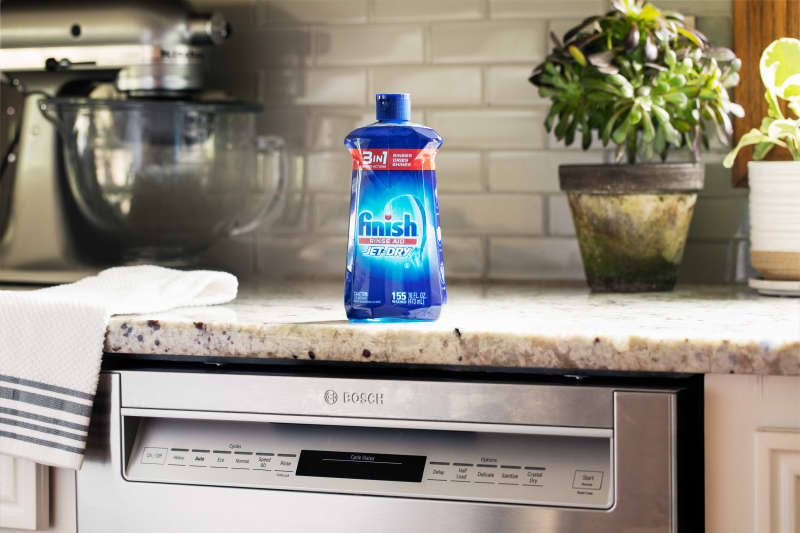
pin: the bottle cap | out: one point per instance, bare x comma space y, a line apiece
393, 106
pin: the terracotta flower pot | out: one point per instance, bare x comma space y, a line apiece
632, 221
775, 218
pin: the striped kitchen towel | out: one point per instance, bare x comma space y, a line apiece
51, 345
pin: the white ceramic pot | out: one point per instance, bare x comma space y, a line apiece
775, 218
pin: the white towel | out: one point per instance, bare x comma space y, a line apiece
51, 345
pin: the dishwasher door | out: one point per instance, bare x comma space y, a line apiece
212, 452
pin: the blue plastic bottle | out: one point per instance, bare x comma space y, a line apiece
395, 269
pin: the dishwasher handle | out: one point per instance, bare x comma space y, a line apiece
437, 425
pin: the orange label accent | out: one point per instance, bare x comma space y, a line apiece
393, 159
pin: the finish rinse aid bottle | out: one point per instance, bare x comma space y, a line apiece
395, 269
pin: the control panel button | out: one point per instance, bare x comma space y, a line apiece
438, 471
285, 461
220, 459
242, 460
587, 479
486, 473
200, 458
285, 464
462, 472
510, 474
154, 456
533, 476
177, 456
264, 461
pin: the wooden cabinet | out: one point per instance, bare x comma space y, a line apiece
34, 497
752, 454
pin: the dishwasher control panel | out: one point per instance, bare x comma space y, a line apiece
524, 469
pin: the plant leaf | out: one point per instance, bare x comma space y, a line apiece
780, 68
773, 108
660, 141
577, 55
616, 4
762, 150
556, 41
656, 66
621, 82
734, 109
577, 29
707, 94
650, 48
610, 125
720, 53
635, 115
586, 142
677, 98
782, 128
681, 125
750, 138
673, 15
678, 80
689, 35
673, 136
620, 133
599, 85
660, 113
610, 69
648, 131
649, 12
632, 40
601, 59
731, 80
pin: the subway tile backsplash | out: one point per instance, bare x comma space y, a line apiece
315, 66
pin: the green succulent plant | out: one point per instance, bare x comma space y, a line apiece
640, 78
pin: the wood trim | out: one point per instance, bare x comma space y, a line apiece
756, 23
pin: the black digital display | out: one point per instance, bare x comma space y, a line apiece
361, 465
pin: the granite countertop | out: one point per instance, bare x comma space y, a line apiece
699, 329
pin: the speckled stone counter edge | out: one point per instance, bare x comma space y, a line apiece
456, 347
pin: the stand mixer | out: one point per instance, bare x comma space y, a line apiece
111, 152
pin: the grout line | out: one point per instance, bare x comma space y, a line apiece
427, 44
370, 11
484, 162
484, 85
546, 214
486, 256
370, 88
486, 9
314, 31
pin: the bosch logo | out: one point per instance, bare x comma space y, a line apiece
331, 397
359, 398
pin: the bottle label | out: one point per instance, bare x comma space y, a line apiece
396, 231
393, 159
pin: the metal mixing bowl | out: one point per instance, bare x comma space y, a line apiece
164, 178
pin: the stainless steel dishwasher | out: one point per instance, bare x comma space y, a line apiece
198, 451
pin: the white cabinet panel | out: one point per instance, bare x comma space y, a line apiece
777, 481
24, 494
737, 410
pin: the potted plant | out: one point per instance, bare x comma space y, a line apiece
639, 78
775, 185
